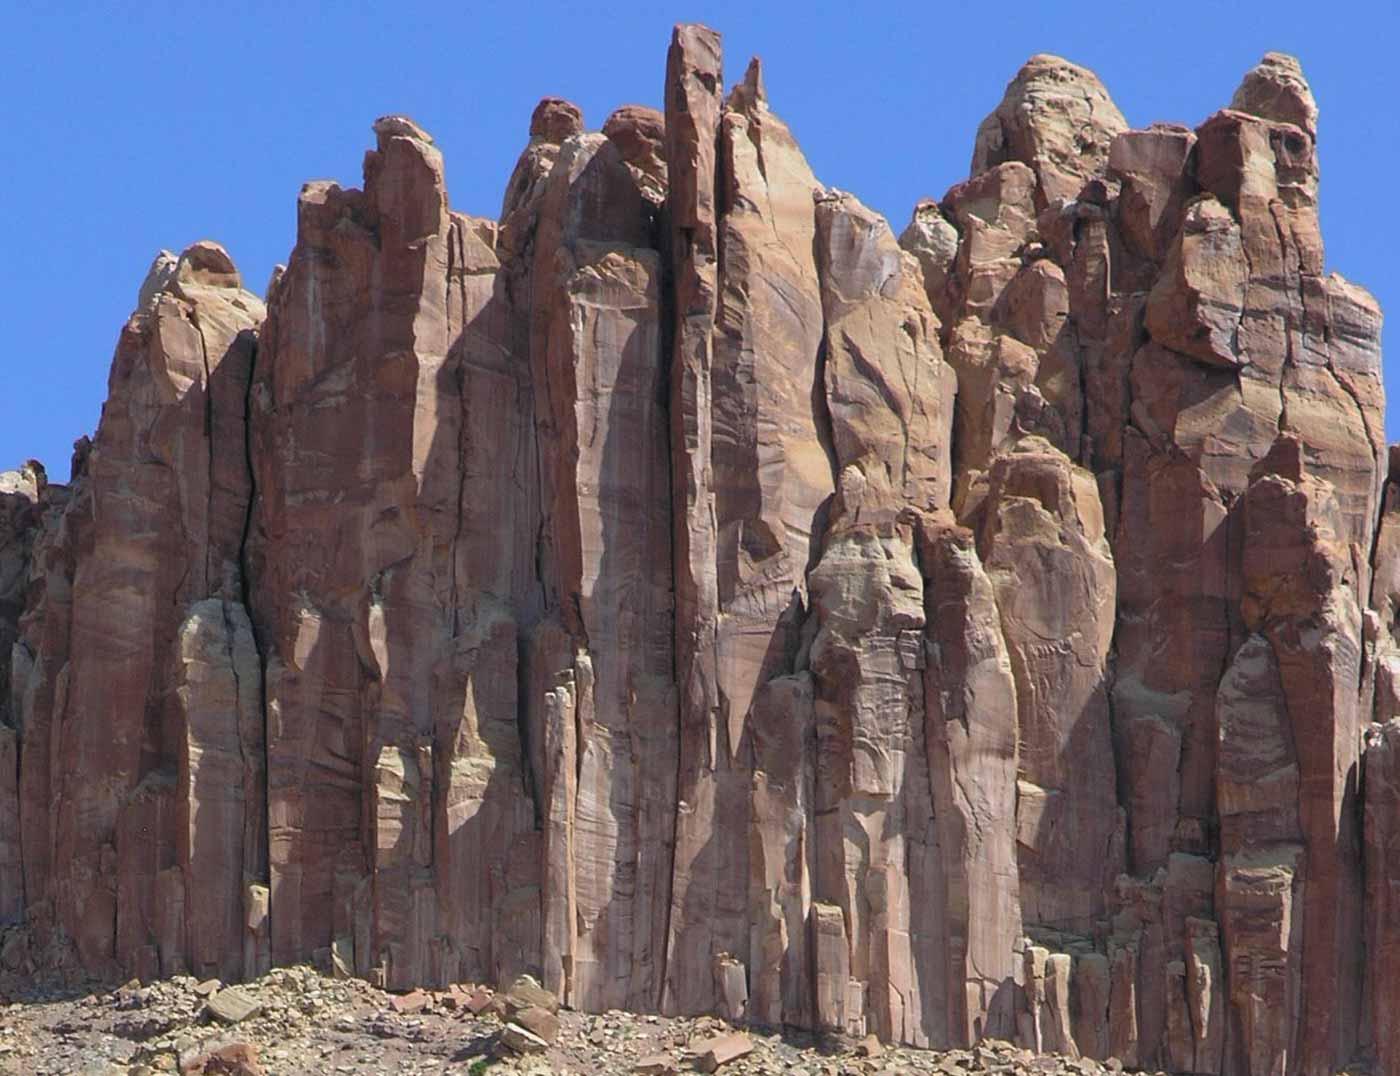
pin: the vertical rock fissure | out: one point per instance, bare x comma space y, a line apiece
245, 589
454, 237
208, 440
533, 782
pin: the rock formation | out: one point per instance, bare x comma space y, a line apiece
685, 591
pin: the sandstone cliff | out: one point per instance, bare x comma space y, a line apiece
688, 591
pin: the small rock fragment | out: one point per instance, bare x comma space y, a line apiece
480, 1001
229, 1059
870, 1047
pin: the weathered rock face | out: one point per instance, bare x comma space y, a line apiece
141, 824
596, 359
20, 494
1045, 551
688, 593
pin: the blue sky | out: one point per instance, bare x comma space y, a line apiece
132, 130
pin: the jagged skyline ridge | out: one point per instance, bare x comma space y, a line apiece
167, 178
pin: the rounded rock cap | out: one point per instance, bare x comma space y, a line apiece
1058, 118
1068, 70
208, 263
639, 134
400, 126
636, 121
555, 119
1275, 89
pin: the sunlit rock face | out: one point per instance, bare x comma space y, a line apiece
687, 591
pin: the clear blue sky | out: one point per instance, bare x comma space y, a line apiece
139, 126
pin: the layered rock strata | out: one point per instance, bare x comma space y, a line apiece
685, 591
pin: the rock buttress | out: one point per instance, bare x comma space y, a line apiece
134, 681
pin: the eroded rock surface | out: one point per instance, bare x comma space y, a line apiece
684, 592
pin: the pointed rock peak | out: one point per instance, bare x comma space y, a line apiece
158, 278
404, 182
278, 272
1056, 117
1275, 89
855, 246
387, 127
750, 93
555, 120
78, 460
930, 234
209, 264
1285, 459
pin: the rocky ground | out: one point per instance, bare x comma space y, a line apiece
295, 1020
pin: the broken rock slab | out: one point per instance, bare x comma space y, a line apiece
518, 1040
412, 1002
720, 1050
539, 1021
527, 993
233, 1005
